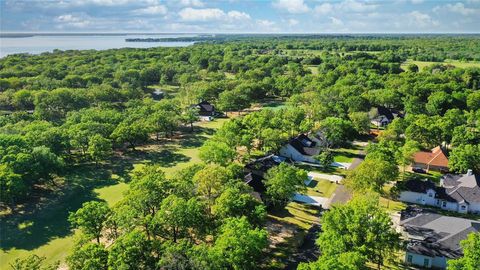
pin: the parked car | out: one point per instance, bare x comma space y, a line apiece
418, 170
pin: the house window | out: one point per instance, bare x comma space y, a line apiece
430, 195
426, 262
463, 207
409, 258
444, 204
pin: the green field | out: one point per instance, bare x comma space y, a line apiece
321, 188
423, 64
346, 155
45, 230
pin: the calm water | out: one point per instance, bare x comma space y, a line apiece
39, 44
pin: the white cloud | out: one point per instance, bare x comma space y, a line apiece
419, 19
265, 23
292, 22
186, 3
324, 8
356, 6
291, 6
70, 20
211, 14
415, 2
336, 21
456, 8
152, 10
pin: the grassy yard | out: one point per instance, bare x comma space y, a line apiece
423, 64
346, 155
287, 229
43, 228
321, 188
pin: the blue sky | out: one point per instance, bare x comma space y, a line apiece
236, 16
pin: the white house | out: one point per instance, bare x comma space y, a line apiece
432, 238
300, 148
382, 116
458, 193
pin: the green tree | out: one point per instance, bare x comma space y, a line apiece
210, 182
359, 226
238, 202
12, 186
238, 245
282, 182
464, 157
336, 131
372, 174
360, 122
90, 256
190, 116
216, 152
344, 261
99, 148
131, 251
133, 131
177, 217
91, 218
325, 158
471, 254
405, 155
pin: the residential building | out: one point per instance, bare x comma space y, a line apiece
383, 116
255, 171
458, 193
206, 111
301, 148
433, 160
433, 239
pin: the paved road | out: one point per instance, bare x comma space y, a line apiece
342, 194
329, 177
312, 200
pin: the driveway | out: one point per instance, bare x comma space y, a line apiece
312, 200
329, 177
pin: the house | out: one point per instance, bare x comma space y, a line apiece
432, 239
458, 193
301, 148
435, 160
383, 116
206, 111
157, 94
255, 171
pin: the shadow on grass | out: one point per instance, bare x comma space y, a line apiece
165, 157
39, 223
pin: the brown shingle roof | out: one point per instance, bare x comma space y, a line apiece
435, 157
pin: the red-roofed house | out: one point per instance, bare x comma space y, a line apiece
434, 160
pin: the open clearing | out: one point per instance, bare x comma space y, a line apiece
423, 64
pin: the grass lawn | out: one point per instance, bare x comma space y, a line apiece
345, 155
293, 223
392, 205
321, 187
313, 69
300, 215
44, 229
423, 64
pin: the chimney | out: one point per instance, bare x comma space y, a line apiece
469, 172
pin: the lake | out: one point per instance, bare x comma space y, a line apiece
37, 44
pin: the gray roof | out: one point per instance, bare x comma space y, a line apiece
432, 234
463, 188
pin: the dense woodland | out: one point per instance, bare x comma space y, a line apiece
67, 108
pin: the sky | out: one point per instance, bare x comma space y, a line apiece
237, 16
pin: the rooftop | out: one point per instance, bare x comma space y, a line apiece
432, 234
304, 145
435, 157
